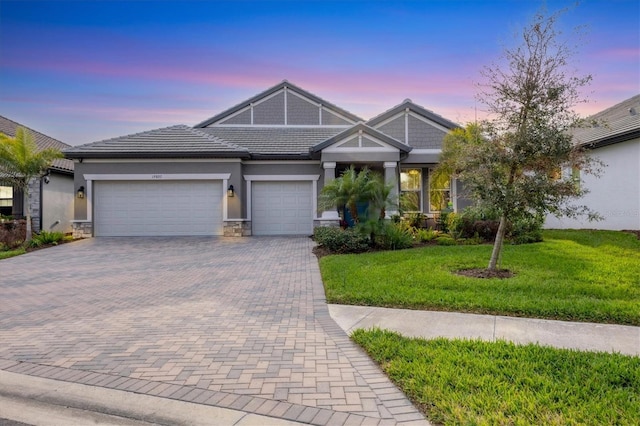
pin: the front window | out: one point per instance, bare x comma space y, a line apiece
6, 200
411, 189
440, 195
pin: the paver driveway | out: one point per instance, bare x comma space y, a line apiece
237, 323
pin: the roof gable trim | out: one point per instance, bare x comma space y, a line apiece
360, 131
286, 88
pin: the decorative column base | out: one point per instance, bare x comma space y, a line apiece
82, 230
237, 228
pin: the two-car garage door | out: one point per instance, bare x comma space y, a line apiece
158, 208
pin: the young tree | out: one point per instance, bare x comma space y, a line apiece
512, 162
21, 161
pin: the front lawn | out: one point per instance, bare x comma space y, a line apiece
572, 275
472, 382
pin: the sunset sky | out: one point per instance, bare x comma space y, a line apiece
82, 71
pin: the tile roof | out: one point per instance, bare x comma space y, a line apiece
618, 123
175, 141
281, 141
8, 127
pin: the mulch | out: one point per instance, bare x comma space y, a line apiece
485, 273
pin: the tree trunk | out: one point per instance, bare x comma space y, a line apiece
497, 245
353, 209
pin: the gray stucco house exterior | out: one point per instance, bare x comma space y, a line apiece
51, 197
255, 169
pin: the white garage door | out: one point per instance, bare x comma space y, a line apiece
282, 208
157, 208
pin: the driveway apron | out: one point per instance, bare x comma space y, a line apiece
238, 323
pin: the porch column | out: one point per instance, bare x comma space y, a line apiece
329, 176
390, 178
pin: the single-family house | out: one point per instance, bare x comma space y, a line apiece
255, 169
614, 138
51, 197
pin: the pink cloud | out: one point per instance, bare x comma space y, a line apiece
618, 54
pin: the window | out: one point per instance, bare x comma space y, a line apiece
6, 200
575, 176
411, 190
440, 196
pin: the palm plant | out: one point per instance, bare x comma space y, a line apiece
351, 188
21, 161
378, 193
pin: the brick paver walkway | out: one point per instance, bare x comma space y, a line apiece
235, 323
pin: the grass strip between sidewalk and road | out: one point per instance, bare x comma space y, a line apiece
485, 383
572, 275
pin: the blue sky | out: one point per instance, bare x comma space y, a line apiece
82, 71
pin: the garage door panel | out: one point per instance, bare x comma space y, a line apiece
282, 208
158, 208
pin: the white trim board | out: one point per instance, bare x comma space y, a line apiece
158, 176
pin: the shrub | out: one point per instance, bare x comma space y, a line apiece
12, 233
416, 220
394, 237
339, 240
483, 224
425, 235
526, 231
46, 238
442, 221
445, 240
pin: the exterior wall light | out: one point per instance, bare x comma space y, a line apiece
80, 192
230, 191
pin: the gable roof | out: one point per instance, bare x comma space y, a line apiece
8, 127
176, 141
618, 123
408, 104
272, 90
367, 130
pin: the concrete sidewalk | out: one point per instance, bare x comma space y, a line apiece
429, 324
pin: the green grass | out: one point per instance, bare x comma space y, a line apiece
572, 275
5, 254
498, 383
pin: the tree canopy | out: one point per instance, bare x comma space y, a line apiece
516, 162
21, 161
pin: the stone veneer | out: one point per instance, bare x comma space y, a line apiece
34, 204
237, 228
333, 223
82, 229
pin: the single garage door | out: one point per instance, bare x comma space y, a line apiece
157, 208
282, 208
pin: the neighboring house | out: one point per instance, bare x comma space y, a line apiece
51, 197
254, 169
614, 138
